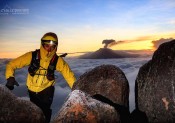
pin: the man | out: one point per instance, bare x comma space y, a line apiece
40, 79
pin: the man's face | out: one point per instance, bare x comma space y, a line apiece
49, 47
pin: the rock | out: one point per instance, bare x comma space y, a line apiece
107, 83
106, 80
155, 85
82, 108
16, 110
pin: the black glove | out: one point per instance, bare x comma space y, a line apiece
11, 82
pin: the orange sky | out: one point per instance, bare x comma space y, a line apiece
139, 43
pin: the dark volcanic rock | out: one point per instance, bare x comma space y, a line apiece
105, 53
106, 80
16, 110
155, 85
81, 108
99, 96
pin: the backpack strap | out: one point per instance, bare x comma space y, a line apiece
52, 67
35, 62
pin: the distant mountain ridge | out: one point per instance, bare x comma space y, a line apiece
106, 53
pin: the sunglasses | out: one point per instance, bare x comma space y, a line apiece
49, 42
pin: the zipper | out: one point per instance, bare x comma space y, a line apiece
38, 76
43, 78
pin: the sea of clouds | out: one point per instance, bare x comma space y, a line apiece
130, 66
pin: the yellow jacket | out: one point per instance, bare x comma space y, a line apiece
38, 83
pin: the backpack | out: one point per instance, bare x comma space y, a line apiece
35, 65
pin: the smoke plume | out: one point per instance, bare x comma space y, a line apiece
107, 42
110, 43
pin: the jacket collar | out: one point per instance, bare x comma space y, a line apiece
45, 55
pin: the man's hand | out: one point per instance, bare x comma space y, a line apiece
11, 82
166, 103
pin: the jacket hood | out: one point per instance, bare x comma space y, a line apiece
45, 55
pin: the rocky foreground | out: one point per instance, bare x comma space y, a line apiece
17, 110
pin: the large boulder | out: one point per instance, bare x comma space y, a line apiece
108, 84
155, 85
82, 108
17, 110
106, 80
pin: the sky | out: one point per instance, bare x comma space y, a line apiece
82, 25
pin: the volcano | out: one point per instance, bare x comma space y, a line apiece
106, 53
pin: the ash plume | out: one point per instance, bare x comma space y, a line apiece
110, 42
107, 42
